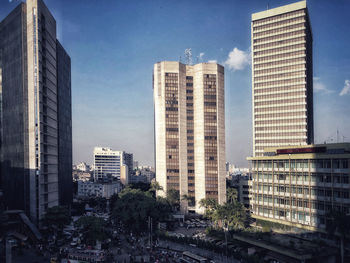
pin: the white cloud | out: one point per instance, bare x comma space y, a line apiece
212, 61
237, 59
346, 89
201, 55
320, 87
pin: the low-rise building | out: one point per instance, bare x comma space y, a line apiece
300, 185
81, 176
83, 167
98, 189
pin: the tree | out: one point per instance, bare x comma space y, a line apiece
57, 216
231, 195
189, 199
231, 214
142, 186
134, 207
112, 201
338, 223
155, 187
93, 229
173, 197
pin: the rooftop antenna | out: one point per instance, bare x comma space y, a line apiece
267, 8
337, 135
188, 55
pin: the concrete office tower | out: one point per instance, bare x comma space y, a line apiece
31, 73
190, 131
282, 77
107, 163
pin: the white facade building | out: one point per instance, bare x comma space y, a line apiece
107, 163
94, 189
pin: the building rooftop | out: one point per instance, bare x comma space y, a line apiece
310, 151
279, 10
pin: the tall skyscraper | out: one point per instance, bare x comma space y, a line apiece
190, 131
35, 111
282, 77
64, 114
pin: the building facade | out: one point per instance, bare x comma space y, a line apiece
190, 131
33, 66
107, 163
64, 117
299, 185
128, 160
282, 89
87, 189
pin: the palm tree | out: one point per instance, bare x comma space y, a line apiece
155, 187
190, 199
231, 194
338, 223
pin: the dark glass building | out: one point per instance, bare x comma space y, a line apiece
35, 112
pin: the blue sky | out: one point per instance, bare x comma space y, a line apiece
113, 45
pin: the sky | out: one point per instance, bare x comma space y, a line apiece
113, 45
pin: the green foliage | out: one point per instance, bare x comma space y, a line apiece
210, 206
173, 197
231, 215
140, 185
57, 216
231, 195
190, 199
155, 186
93, 228
134, 207
266, 229
78, 208
272, 225
112, 201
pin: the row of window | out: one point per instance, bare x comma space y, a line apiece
276, 38
279, 30
335, 164
300, 73
276, 72
283, 56
279, 18
279, 115
301, 105
284, 95
278, 141
280, 63
280, 23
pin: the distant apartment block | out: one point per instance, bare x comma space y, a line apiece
107, 163
299, 185
190, 131
112, 164
87, 189
35, 107
282, 77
